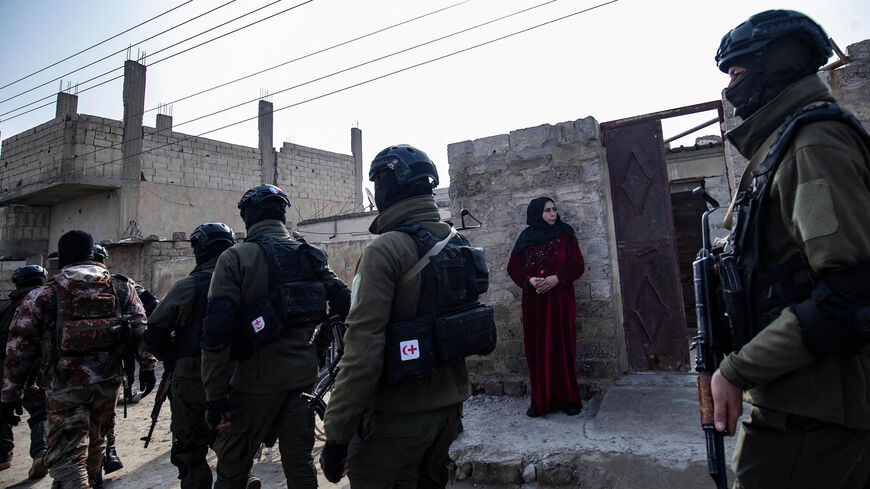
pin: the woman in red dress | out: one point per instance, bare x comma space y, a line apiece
545, 262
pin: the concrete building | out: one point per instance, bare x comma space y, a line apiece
125, 182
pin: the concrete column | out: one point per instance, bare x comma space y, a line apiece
67, 103
268, 165
134, 106
164, 123
356, 151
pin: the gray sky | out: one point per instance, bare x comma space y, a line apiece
627, 58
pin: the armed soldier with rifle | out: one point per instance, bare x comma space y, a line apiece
793, 276
73, 329
173, 334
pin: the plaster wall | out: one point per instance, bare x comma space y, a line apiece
495, 178
96, 214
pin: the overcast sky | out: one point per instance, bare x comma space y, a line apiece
626, 58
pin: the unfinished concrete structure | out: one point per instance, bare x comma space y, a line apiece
121, 180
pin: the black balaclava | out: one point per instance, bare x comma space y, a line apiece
769, 72
271, 208
388, 191
73, 247
213, 250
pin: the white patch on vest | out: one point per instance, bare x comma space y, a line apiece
814, 212
409, 350
354, 291
258, 324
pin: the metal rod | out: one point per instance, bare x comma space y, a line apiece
693, 129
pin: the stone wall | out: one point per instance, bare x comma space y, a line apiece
156, 265
495, 178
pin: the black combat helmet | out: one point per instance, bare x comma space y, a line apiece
407, 163
210, 240
776, 48
754, 34
100, 253
29, 275
263, 193
209, 233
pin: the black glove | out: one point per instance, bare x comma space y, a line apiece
8, 411
332, 460
217, 412
147, 381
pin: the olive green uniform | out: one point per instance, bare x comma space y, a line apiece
810, 422
265, 389
187, 397
398, 435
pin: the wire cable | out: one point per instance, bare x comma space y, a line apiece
320, 78
116, 52
365, 82
186, 97
167, 57
95, 45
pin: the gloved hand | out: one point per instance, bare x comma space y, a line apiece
217, 413
8, 411
147, 381
333, 461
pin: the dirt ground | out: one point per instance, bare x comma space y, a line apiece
150, 468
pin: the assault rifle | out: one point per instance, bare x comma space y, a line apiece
710, 345
126, 354
159, 399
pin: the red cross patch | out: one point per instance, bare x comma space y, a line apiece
409, 350
258, 324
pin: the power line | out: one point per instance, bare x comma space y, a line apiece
95, 45
320, 78
167, 57
365, 82
383, 29
116, 52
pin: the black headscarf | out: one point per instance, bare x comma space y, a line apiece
539, 231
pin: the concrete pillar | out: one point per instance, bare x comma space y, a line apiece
134, 106
356, 151
268, 165
164, 123
67, 103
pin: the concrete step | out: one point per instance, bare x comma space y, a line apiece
644, 432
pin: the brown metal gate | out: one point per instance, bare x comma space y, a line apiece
655, 322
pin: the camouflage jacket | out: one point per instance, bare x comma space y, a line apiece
32, 335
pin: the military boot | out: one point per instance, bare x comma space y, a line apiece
111, 462
37, 470
98, 482
253, 483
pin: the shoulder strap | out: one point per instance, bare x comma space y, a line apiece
424, 260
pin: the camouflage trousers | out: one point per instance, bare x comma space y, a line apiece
78, 418
34, 403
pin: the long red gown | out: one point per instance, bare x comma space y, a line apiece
549, 321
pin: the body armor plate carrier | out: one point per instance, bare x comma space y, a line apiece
87, 325
755, 292
450, 323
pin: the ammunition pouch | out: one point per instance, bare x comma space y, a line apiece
188, 340
835, 320
219, 324
415, 348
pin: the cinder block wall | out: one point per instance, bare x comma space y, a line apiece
320, 183
24, 231
98, 150
32, 155
495, 178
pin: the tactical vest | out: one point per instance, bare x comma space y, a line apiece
450, 322
756, 292
87, 325
297, 296
187, 339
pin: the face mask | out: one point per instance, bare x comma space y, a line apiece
745, 94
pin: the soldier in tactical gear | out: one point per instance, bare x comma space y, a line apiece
75, 329
802, 242
174, 333
364, 410
266, 297
147, 380
26, 278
